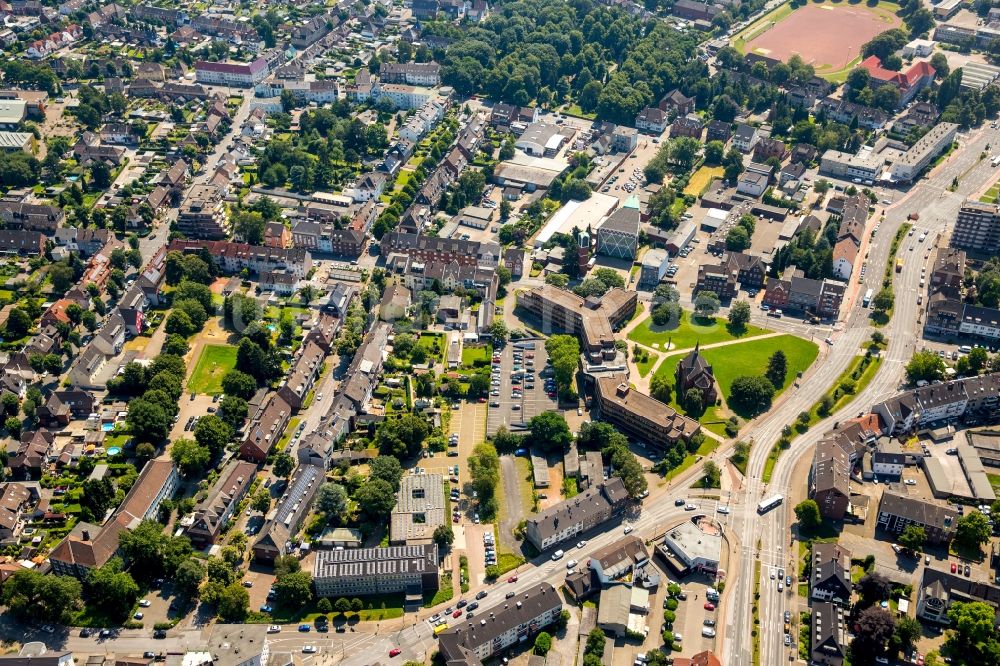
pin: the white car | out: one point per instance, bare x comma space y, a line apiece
628, 528
708, 632
274, 629
571, 564
689, 507
581, 544
724, 510
309, 649
145, 603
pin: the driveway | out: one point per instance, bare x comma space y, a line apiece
513, 512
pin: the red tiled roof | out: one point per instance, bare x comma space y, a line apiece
906, 79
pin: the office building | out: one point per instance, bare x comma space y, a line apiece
391, 570
640, 416
977, 228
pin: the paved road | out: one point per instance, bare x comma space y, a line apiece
937, 208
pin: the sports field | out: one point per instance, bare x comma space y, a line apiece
829, 36
213, 364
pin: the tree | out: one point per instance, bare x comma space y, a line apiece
283, 465
873, 588
239, 384
807, 512
564, 353
777, 368
233, 411
751, 394
973, 636
711, 475
498, 331
444, 535
61, 275
97, 496
342, 605
907, 631
660, 387
232, 603
706, 303
261, 501
913, 538
940, 64
386, 468
873, 629
151, 553
543, 643
188, 578
733, 164
739, 314
402, 437
694, 401
714, 151
978, 358
331, 499
324, 605
213, 433
550, 432
191, 457
926, 366
737, 239
667, 313
18, 324
32, 596
112, 590
293, 590
972, 530
376, 498
484, 469
883, 300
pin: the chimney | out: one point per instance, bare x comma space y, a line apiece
86, 535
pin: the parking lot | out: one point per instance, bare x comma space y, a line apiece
518, 391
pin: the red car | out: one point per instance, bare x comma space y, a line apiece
954, 567
512, 579
482, 399
457, 613
709, 606
394, 651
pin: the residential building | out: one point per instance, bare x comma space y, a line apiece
265, 429
896, 512
15, 500
830, 575
690, 126
651, 119
591, 319
411, 73
719, 130
234, 74
20, 242
677, 103
641, 416
203, 214
441, 250
829, 634
766, 148
89, 547
578, 514
64, 405
419, 510
973, 398
619, 559
283, 522
622, 610
862, 166
745, 138
624, 139
947, 272
411, 569
842, 111
214, 512
232, 258
395, 303
306, 368
516, 621
830, 479
977, 228
752, 183
909, 167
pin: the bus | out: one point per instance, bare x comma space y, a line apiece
867, 300
769, 503
899, 265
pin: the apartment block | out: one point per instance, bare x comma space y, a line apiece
578, 514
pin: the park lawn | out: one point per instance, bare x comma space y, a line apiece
647, 365
213, 364
690, 331
701, 179
746, 358
991, 195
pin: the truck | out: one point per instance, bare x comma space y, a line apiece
899, 264
867, 300
770, 503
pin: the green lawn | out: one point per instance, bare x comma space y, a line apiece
213, 363
434, 344
749, 357
647, 364
476, 355
690, 331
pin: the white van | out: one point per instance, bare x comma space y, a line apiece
557, 555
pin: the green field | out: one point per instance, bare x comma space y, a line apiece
476, 355
702, 178
747, 358
434, 344
691, 330
991, 195
213, 363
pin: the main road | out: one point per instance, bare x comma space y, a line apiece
767, 537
